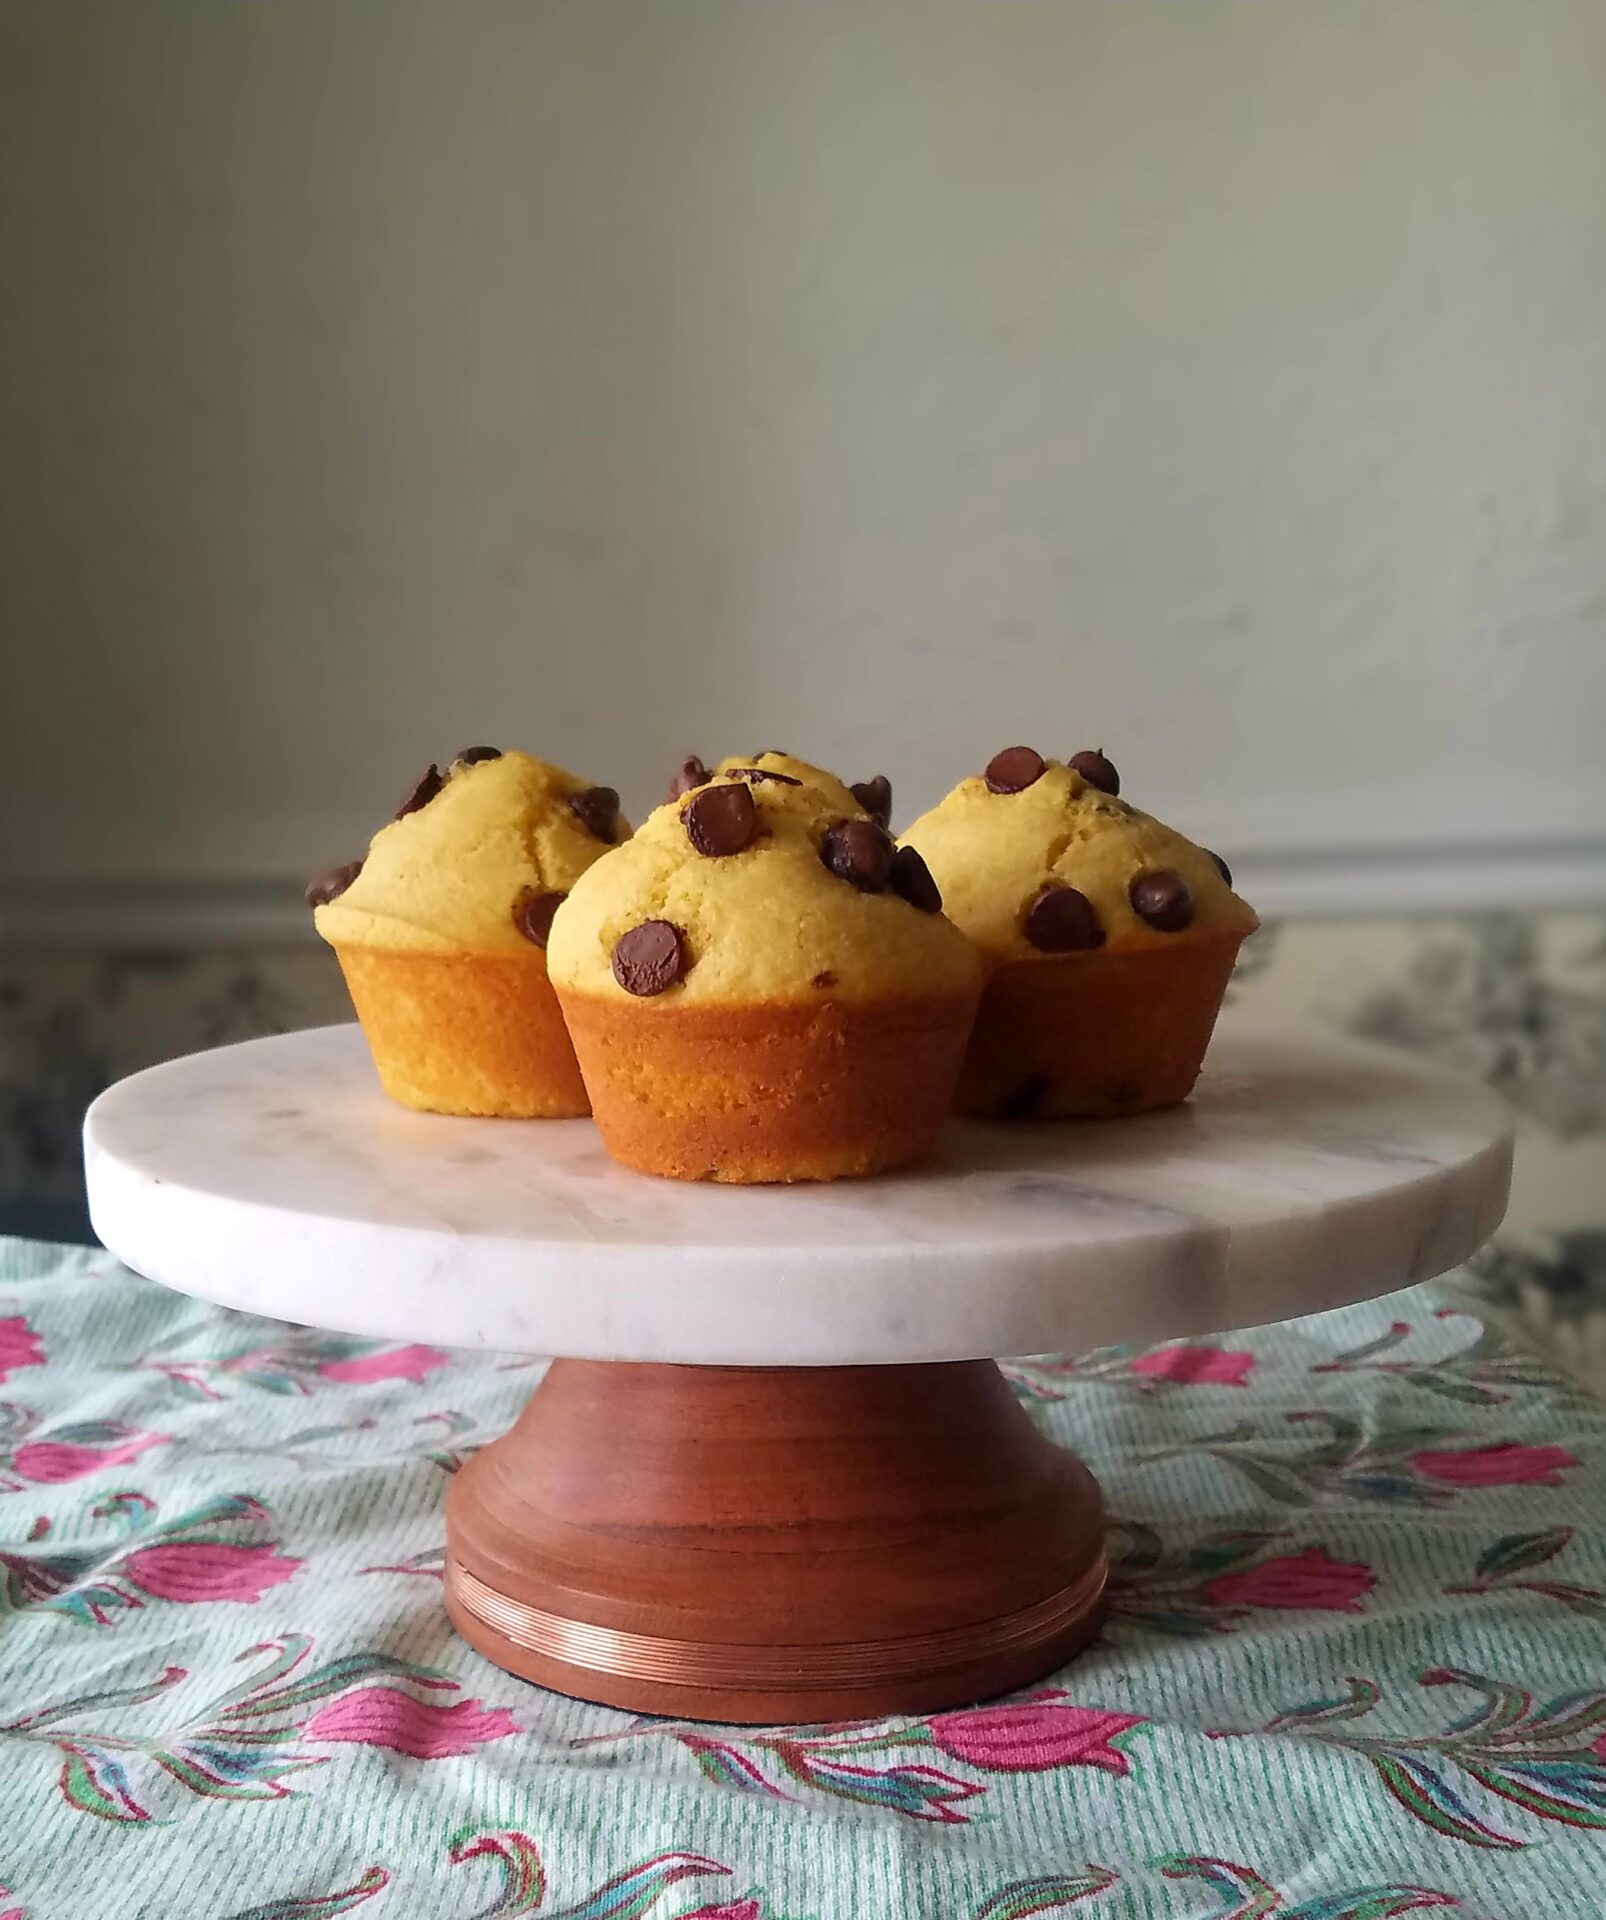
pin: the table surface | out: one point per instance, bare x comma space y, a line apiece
1354, 1663
1307, 1171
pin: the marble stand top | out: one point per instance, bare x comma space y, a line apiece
1307, 1171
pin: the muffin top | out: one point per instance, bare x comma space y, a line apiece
1039, 857
755, 890
476, 859
873, 797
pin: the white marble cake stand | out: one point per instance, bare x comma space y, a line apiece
776, 1474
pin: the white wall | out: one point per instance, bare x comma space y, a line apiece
1225, 384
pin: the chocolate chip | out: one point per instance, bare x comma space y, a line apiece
1221, 867
1095, 770
1163, 899
859, 852
532, 914
720, 820
1062, 920
755, 774
331, 883
824, 978
690, 773
911, 879
422, 791
772, 753
875, 796
472, 756
1023, 1100
597, 810
1014, 770
649, 958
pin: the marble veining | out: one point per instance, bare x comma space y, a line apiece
1307, 1171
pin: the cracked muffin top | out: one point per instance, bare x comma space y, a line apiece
756, 887
1040, 857
476, 860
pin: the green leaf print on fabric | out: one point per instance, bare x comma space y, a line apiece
1515, 1553
1047, 1893
227, 1549
1141, 1371
430, 1563
523, 1877
246, 1743
1403, 1466
745, 1906
627, 1895
873, 1764
1488, 1373
637, 1890
211, 1360
1244, 1895
33, 1453
320, 1906
1547, 1759
445, 1439
845, 1768
1216, 1583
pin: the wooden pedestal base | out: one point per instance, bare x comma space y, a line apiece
775, 1543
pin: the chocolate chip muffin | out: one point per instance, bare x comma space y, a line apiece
872, 797
441, 932
1110, 938
760, 986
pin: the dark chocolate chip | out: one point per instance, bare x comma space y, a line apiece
859, 852
1221, 867
1023, 1100
911, 878
532, 914
690, 773
772, 753
1163, 899
1095, 770
331, 883
824, 978
875, 796
422, 791
720, 820
1062, 920
649, 958
472, 756
754, 774
1014, 770
597, 810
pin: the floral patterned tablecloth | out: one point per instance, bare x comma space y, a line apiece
1355, 1665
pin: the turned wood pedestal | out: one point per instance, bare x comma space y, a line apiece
775, 1543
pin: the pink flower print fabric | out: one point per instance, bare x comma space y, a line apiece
1353, 1664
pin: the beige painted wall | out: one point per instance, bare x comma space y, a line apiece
1225, 383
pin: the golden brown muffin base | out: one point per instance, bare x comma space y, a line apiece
1093, 1035
472, 1033
755, 1094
